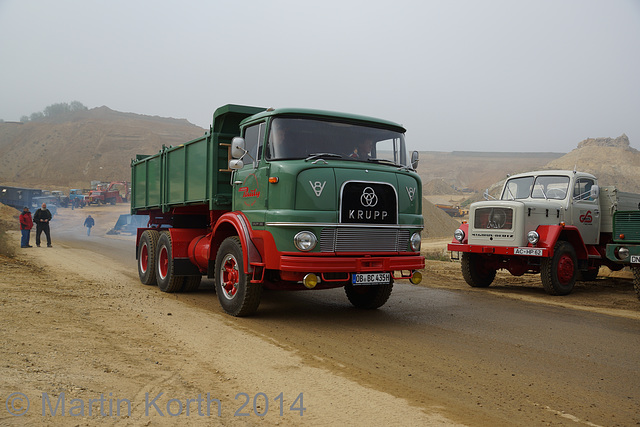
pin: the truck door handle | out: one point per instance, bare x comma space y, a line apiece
237, 182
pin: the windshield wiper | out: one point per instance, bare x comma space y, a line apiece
386, 161
315, 156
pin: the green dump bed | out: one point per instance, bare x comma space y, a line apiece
193, 173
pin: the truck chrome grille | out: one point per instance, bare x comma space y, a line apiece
493, 218
364, 240
627, 223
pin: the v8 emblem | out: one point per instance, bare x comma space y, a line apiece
317, 187
411, 191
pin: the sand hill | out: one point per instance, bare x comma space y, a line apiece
611, 160
88, 145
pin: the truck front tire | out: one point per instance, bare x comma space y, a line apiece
165, 270
147, 257
238, 297
558, 273
474, 272
368, 297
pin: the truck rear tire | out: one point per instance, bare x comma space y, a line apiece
636, 280
474, 272
368, 297
238, 297
167, 280
558, 273
147, 257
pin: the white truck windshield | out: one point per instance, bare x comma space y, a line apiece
541, 187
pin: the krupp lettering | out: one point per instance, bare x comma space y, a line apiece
367, 215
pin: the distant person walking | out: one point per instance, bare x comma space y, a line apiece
26, 224
42, 218
89, 222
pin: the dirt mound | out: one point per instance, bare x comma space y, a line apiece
437, 187
611, 160
437, 223
97, 144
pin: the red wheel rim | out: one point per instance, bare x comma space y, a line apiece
163, 262
144, 258
229, 276
565, 269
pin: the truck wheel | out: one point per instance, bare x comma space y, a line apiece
237, 296
474, 271
191, 283
636, 280
147, 257
368, 297
559, 272
167, 280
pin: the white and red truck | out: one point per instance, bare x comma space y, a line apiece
553, 222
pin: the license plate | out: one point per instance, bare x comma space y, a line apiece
635, 259
528, 251
370, 278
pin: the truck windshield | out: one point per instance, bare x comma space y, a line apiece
541, 187
302, 138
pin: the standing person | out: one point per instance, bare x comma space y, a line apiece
89, 222
26, 224
42, 218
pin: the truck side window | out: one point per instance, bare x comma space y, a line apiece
582, 189
252, 141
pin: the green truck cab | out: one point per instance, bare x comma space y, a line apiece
625, 249
281, 199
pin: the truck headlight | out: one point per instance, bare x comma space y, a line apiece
458, 235
622, 253
533, 237
305, 241
416, 240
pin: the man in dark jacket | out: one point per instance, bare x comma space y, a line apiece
26, 224
89, 222
42, 218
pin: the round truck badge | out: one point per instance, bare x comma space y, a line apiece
368, 198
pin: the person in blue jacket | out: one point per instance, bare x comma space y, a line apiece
89, 222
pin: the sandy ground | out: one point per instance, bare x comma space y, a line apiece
82, 332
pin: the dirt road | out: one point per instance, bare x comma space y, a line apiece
80, 331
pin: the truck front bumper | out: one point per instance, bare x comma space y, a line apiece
351, 264
499, 250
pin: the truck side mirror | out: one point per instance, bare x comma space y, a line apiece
236, 164
595, 192
415, 159
237, 147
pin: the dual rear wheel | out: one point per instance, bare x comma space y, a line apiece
156, 264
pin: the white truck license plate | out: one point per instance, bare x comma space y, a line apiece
370, 278
635, 259
528, 251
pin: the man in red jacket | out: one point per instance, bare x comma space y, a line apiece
26, 224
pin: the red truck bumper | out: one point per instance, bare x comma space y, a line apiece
351, 264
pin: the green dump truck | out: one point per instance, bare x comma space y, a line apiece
625, 249
281, 199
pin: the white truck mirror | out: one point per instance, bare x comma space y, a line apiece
595, 192
237, 148
236, 164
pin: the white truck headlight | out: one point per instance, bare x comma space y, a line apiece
458, 235
305, 241
416, 240
533, 237
622, 253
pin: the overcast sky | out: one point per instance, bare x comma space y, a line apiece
491, 75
